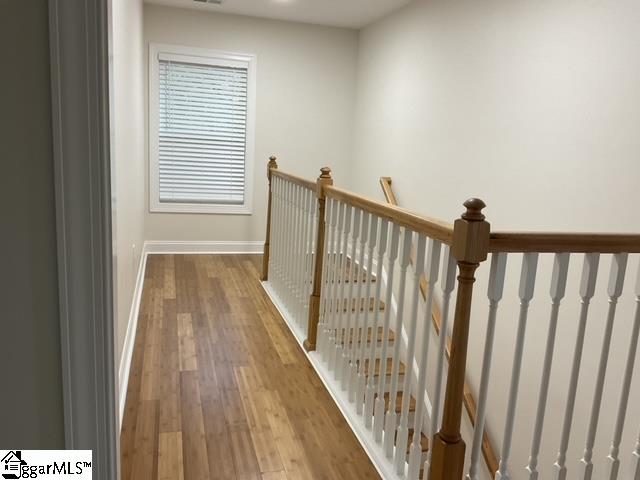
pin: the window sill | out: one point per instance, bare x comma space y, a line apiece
199, 208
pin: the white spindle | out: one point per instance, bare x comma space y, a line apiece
273, 232
279, 240
390, 418
307, 252
557, 291
403, 428
616, 283
359, 334
349, 332
527, 284
334, 264
369, 228
415, 452
614, 460
447, 285
587, 289
379, 401
298, 242
287, 258
341, 330
370, 390
494, 293
336, 285
326, 275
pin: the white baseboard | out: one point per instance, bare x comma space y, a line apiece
215, 247
130, 337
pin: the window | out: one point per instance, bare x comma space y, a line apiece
201, 109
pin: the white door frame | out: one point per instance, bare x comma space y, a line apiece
78, 35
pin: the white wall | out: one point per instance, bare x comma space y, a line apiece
305, 105
534, 107
127, 155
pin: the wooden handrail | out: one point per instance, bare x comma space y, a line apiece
488, 452
430, 227
303, 182
543, 242
385, 183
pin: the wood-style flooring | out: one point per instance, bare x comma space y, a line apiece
219, 388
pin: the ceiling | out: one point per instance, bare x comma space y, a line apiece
339, 13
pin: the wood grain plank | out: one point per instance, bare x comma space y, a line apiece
186, 344
196, 462
170, 463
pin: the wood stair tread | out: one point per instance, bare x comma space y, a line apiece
392, 335
353, 272
359, 304
412, 402
377, 364
424, 441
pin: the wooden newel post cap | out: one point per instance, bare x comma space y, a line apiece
471, 233
272, 164
325, 178
474, 210
325, 172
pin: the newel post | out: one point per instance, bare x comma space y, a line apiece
314, 301
470, 246
272, 165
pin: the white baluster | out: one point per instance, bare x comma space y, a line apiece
557, 291
312, 248
616, 282
403, 428
332, 267
336, 286
370, 390
273, 256
287, 258
587, 289
326, 274
278, 239
390, 419
305, 253
341, 331
527, 284
494, 293
297, 260
447, 285
613, 459
378, 418
349, 332
369, 314
415, 452
360, 334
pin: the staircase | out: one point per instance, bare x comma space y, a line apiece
367, 289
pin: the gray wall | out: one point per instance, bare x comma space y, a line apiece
31, 410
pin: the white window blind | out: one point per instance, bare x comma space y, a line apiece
202, 130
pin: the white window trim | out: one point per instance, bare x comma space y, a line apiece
205, 56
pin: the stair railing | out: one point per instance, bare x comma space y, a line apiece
362, 249
439, 320
358, 338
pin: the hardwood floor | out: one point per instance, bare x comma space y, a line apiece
219, 388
